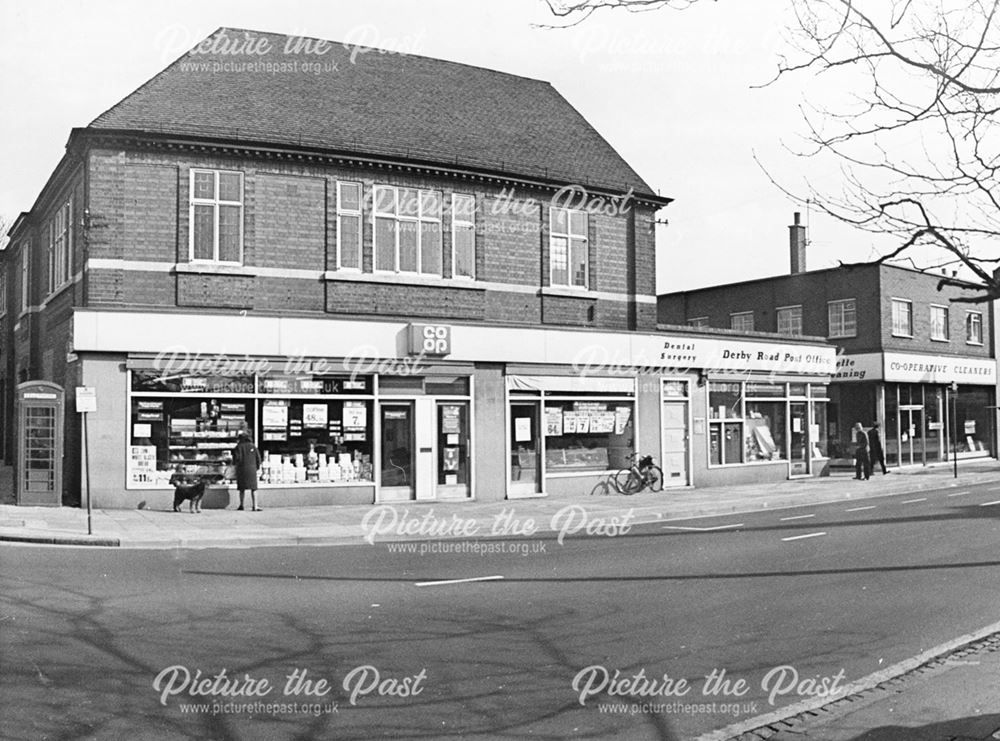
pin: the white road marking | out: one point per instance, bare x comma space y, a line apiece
987, 504
800, 537
913, 501
456, 581
702, 529
993, 488
858, 509
958, 494
797, 517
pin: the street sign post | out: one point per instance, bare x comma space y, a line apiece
86, 401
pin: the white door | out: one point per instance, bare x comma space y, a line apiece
675, 443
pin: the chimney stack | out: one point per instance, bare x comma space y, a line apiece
797, 245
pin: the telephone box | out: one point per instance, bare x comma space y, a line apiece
39, 410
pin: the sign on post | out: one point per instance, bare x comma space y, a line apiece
86, 399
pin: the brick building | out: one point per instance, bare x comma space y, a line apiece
385, 268
909, 357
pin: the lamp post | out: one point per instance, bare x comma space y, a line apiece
954, 425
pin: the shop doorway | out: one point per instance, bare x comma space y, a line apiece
398, 452
453, 474
798, 416
911, 434
525, 458
674, 434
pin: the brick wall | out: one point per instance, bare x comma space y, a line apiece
140, 212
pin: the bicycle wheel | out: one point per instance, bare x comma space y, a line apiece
654, 477
627, 482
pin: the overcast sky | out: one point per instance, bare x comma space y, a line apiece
671, 91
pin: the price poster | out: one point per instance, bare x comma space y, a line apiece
622, 417
355, 416
314, 415
274, 414
142, 463
553, 422
522, 430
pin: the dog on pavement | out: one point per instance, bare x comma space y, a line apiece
188, 487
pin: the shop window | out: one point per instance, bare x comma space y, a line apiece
315, 440
819, 433
194, 436
790, 320
939, 323
568, 259
407, 230
216, 216
463, 236
741, 321
453, 444
842, 318
902, 318
349, 226
725, 438
587, 435
765, 431
973, 328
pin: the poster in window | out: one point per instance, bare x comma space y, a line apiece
451, 418
314, 415
522, 430
553, 422
602, 422
142, 464
450, 462
622, 417
582, 423
274, 414
355, 416
569, 423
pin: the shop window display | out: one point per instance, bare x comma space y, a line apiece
587, 435
765, 431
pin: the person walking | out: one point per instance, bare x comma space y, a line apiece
875, 452
246, 459
862, 464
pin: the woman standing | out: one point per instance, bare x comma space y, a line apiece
246, 458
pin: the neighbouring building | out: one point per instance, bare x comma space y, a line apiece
405, 278
909, 355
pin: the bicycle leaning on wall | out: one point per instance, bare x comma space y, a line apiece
640, 474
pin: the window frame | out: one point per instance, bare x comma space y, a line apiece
464, 223
947, 323
968, 317
59, 248
569, 235
698, 322
3, 291
900, 302
843, 332
215, 202
777, 319
25, 269
733, 315
348, 213
418, 220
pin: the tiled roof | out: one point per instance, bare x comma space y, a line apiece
375, 103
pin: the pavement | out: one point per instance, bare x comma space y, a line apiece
951, 694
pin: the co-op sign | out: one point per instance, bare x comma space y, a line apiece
430, 340
910, 368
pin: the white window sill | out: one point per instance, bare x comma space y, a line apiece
903, 336
405, 279
974, 344
940, 339
214, 268
578, 292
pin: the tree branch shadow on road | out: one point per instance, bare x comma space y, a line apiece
99, 654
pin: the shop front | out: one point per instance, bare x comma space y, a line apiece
361, 412
930, 408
